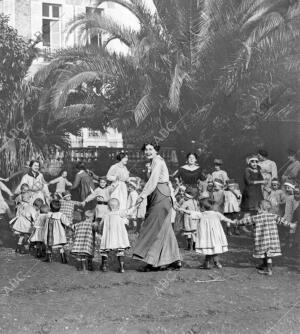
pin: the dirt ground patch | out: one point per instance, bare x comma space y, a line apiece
41, 298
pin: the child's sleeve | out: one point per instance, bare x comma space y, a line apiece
282, 221
65, 220
68, 183
245, 221
195, 214
223, 218
54, 181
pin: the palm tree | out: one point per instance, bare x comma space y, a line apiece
214, 61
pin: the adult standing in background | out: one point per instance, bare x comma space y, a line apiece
83, 181
36, 182
190, 173
119, 174
292, 172
252, 195
157, 244
268, 170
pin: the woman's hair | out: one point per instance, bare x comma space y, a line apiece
55, 205
121, 155
263, 153
191, 153
24, 186
32, 162
153, 144
80, 166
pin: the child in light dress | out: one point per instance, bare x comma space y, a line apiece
114, 235
218, 196
266, 238
190, 224
131, 201
218, 173
37, 235
210, 237
23, 223
61, 183
276, 197
233, 198
102, 195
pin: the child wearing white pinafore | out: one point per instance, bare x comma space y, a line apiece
114, 234
22, 224
233, 198
210, 237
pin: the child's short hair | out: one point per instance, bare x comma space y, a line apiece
55, 205
38, 203
114, 203
26, 197
44, 208
24, 186
206, 203
265, 205
89, 213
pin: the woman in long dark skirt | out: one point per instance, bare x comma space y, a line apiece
157, 244
252, 195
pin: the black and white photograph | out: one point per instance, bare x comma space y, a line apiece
149, 166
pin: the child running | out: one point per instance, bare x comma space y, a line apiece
266, 238
210, 237
114, 236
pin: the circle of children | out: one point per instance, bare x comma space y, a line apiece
54, 225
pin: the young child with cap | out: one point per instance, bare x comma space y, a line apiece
114, 235
210, 237
218, 173
190, 224
266, 238
232, 203
83, 247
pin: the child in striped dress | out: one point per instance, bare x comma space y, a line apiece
83, 247
266, 238
190, 224
210, 237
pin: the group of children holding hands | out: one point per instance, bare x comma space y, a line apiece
202, 210
60, 225
199, 211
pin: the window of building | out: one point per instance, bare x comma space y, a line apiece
94, 133
94, 39
51, 25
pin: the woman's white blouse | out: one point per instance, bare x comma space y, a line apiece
159, 174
